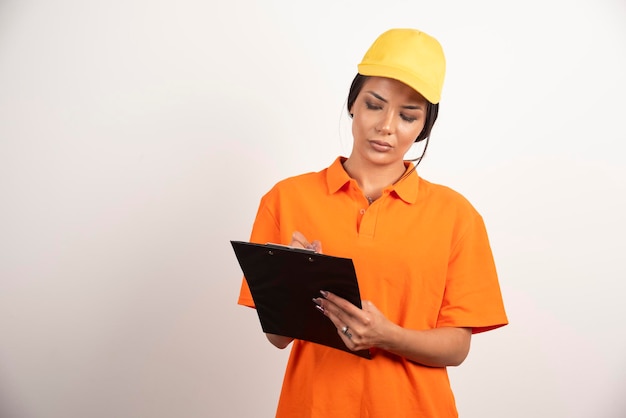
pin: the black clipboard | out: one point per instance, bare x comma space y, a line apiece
283, 281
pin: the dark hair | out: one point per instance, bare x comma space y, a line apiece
432, 110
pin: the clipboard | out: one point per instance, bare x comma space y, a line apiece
283, 281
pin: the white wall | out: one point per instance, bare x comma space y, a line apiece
136, 138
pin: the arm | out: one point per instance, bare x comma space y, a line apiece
439, 347
279, 340
368, 327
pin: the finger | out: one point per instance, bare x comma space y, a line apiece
341, 303
299, 240
346, 332
316, 245
342, 323
330, 310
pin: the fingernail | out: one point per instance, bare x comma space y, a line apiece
319, 308
324, 293
317, 301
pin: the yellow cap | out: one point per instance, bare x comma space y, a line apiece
410, 56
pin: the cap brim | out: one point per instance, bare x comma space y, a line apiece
417, 84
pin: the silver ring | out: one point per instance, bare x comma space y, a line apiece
346, 332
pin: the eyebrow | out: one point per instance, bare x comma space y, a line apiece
379, 97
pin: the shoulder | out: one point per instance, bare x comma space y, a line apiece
443, 195
301, 179
299, 186
451, 209
447, 206
298, 181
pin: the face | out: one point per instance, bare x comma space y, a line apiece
388, 117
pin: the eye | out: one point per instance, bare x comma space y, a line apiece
372, 106
407, 118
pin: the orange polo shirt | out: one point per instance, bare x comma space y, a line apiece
422, 256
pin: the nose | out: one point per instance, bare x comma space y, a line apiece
385, 125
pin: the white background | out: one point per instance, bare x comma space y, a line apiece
137, 137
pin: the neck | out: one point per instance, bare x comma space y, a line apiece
371, 178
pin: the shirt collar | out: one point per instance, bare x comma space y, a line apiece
406, 189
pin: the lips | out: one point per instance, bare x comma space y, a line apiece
381, 146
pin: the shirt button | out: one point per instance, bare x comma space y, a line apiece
362, 211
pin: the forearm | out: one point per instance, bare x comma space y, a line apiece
439, 347
279, 340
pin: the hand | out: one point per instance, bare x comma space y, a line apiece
361, 329
298, 240
366, 327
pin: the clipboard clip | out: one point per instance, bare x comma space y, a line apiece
272, 245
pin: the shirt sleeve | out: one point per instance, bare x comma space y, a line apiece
265, 229
472, 297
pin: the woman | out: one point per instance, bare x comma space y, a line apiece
421, 253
